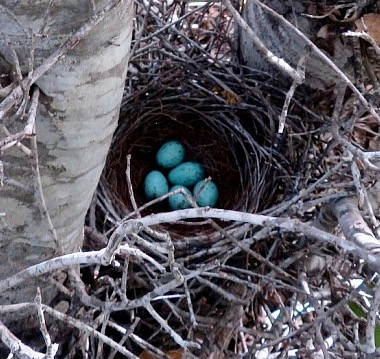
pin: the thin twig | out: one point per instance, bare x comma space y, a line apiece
182, 343
289, 95
39, 194
50, 347
372, 318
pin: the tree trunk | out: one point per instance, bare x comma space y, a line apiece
76, 118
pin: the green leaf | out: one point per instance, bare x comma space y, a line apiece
377, 336
356, 309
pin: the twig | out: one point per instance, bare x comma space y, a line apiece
87, 329
289, 95
51, 349
1, 175
171, 259
372, 317
365, 36
223, 293
39, 194
126, 333
182, 343
130, 188
29, 129
304, 192
358, 184
356, 152
20, 145
67, 260
103, 320
190, 305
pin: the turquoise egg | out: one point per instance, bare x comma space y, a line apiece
170, 154
179, 201
186, 174
206, 193
155, 185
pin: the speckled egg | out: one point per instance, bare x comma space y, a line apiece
155, 185
206, 193
186, 174
178, 201
170, 154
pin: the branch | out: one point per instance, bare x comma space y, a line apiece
67, 260
290, 225
51, 349
104, 256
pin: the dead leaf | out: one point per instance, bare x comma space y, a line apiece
172, 354
324, 31
370, 23
230, 97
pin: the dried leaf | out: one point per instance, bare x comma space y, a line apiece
370, 23
231, 98
323, 32
172, 354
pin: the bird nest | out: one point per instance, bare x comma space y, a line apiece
182, 85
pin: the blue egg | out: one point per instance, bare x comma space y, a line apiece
206, 193
170, 154
155, 185
186, 174
179, 201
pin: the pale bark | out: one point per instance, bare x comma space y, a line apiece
76, 118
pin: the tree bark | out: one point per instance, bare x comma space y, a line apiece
76, 118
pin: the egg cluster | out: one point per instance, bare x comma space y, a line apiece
190, 176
